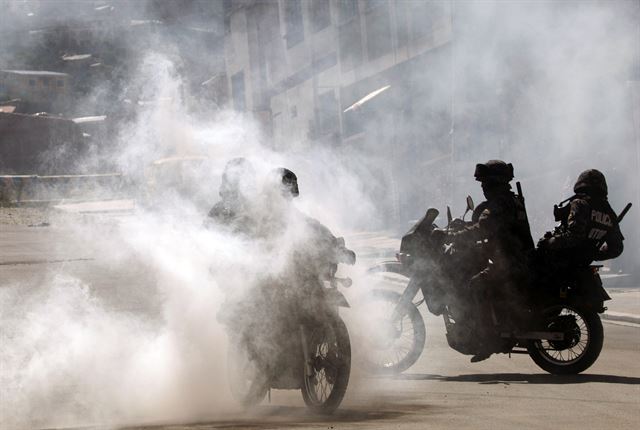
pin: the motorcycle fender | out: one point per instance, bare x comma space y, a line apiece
591, 292
336, 298
391, 266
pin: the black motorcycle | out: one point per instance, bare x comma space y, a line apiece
558, 325
292, 336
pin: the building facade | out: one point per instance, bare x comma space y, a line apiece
41, 90
302, 65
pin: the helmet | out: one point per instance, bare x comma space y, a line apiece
495, 171
238, 174
289, 181
591, 181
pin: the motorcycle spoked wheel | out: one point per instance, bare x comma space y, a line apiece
247, 381
396, 345
330, 365
581, 347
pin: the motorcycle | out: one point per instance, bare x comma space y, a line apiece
303, 345
558, 326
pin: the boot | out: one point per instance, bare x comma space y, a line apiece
480, 356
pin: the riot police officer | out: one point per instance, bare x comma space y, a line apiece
237, 190
589, 228
500, 223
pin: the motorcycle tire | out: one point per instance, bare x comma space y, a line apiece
330, 361
375, 361
584, 334
248, 383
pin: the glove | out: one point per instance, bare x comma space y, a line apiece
546, 243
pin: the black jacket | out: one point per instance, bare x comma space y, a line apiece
502, 222
590, 224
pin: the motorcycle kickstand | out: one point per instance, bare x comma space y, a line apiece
308, 370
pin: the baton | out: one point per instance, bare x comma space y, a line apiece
624, 212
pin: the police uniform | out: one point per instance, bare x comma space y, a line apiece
500, 223
589, 230
232, 211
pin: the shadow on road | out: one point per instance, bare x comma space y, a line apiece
501, 378
278, 417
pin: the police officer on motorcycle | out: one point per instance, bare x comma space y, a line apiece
588, 228
237, 189
500, 224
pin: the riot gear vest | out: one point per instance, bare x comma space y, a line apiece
502, 222
585, 225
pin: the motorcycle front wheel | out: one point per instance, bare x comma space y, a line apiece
393, 345
248, 382
326, 374
581, 346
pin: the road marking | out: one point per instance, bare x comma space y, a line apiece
15, 263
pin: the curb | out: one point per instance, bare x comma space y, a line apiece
619, 316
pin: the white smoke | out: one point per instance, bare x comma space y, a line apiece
68, 356
72, 354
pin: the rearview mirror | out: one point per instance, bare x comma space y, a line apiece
470, 207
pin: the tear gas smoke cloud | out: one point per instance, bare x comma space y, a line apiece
68, 358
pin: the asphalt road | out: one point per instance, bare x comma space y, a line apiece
443, 390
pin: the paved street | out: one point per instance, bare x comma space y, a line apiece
443, 390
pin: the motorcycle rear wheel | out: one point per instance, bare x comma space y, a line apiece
330, 365
584, 337
399, 344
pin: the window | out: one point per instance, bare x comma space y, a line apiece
424, 15
372, 4
349, 37
378, 30
227, 9
268, 21
237, 91
32, 82
402, 23
293, 22
347, 9
269, 40
320, 13
327, 113
350, 41
60, 83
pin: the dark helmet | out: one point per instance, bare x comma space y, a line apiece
591, 181
289, 181
494, 171
238, 172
